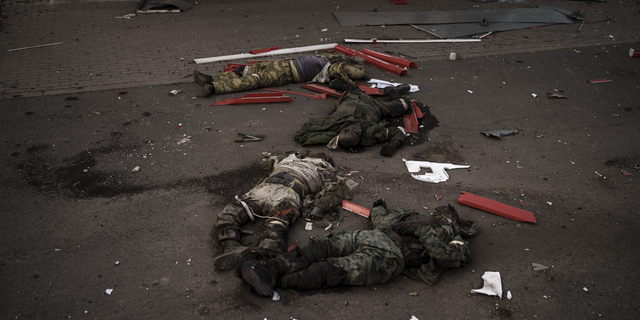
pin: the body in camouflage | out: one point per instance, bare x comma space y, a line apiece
356, 107
401, 240
278, 199
277, 73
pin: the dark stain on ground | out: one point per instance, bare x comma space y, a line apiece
502, 312
627, 162
440, 152
76, 177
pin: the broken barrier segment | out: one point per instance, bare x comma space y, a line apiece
369, 90
494, 207
311, 96
360, 210
266, 54
255, 98
411, 120
437, 174
634, 53
380, 64
324, 90
391, 59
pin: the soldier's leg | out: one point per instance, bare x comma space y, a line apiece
276, 234
226, 236
389, 108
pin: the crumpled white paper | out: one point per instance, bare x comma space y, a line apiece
492, 284
383, 84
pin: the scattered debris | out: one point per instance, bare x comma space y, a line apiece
270, 53
246, 138
136, 169
634, 53
360, 210
538, 267
556, 96
256, 98
164, 6
452, 56
184, 140
109, 291
437, 174
600, 81
175, 92
308, 226
494, 207
499, 133
413, 293
509, 296
534, 95
585, 289
492, 284
38, 46
328, 227
625, 172
127, 16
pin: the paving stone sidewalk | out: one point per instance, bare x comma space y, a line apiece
101, 52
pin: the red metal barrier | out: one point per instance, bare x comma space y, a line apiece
494, 207
382, 65
255, 98
390, 59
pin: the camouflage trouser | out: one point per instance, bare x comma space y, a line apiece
363, 257
346, 72
264, 199
260, 74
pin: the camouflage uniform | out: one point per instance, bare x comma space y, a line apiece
277, 73
376, 256
356, 107
279, 199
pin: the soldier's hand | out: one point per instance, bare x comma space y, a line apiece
388, 150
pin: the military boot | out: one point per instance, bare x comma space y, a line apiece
393, 93
230, 256
201, 78
261, 276
341, 85
209, 89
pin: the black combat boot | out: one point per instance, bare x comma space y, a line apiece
393, 93
228, 245
341, 86
209, 89
261, 275
201, 78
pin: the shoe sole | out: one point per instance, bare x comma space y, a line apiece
250, 276
228, 260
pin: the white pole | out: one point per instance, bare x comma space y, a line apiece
266, 54
409, 40
38, 46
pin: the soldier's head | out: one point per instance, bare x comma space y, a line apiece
350, 136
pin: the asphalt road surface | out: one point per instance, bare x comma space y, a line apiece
77, 220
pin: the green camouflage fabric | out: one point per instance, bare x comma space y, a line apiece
260, 74
440, 247
353, 107
266, 198
364, 257
277, 73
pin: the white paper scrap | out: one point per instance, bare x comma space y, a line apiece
492, 284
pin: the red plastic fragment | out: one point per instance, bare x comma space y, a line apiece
625, 172
411, 119
600, 81
255, 98
328, 91
380, 64
264, 50
398, 1
369, 90
634, 53
291, 247
350, 206
494, 207
312, 96
521, 203
390, 59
